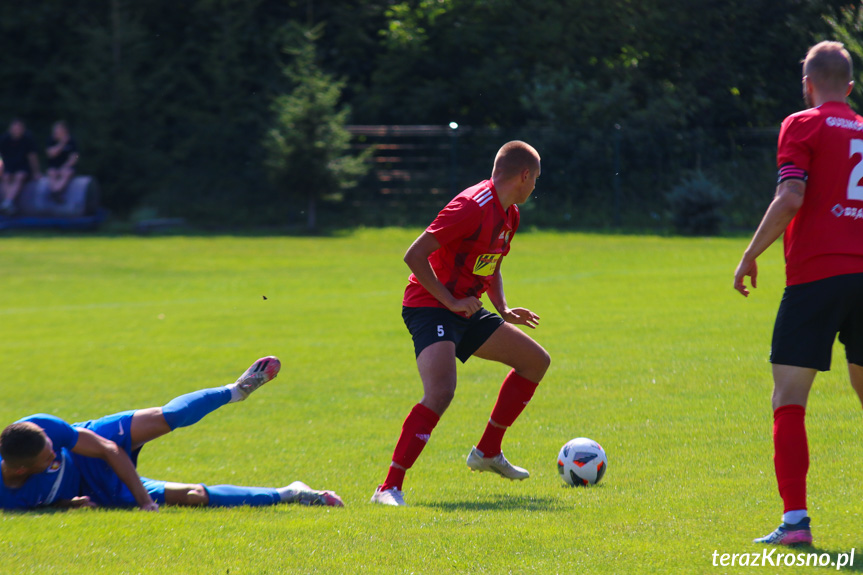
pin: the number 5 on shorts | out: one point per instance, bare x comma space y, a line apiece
440, 331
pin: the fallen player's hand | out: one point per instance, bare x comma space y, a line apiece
82, 502
151, 506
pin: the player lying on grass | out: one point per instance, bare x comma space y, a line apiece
47, 462
454, 262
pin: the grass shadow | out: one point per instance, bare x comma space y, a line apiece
501, 503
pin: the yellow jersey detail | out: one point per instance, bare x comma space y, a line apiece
486, 264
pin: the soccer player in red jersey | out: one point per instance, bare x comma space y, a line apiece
454, 261
819, 206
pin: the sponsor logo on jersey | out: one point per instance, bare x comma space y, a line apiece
854, 213
833, 121
485, 264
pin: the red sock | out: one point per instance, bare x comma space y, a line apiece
791, 455
415, 434
515, 394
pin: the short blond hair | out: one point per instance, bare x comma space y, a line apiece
513, 158
828, 65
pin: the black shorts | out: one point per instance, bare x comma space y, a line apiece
430, 325
810, 316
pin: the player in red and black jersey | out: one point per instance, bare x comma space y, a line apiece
454, 261
819, 207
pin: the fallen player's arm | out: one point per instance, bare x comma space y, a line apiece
92, 445
519, 315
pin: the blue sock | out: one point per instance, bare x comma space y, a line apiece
192, 407
233, 495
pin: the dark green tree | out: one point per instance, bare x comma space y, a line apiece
847, 27
308, 147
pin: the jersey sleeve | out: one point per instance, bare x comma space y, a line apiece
794, 152
459, 219
61, 433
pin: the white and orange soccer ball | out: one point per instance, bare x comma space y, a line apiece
581, 462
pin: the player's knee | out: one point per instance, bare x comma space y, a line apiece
439, 400
544, 360
197, 495
539, 365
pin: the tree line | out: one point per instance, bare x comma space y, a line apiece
174, 103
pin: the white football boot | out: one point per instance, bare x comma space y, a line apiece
299, 492
497, 464
260, 372
392, 496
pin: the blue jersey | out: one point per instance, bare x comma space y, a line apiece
60, 481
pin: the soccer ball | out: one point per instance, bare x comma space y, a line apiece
581, 462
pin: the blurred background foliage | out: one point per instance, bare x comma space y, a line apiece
175, 103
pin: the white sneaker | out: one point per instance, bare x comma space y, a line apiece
257, 375
392, 496
497, 464
299, 492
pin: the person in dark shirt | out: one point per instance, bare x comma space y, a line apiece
19, 163
62, 153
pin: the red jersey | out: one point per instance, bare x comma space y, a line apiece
823, 146
474, 233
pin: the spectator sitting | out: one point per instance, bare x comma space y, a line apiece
62, 152
19, 163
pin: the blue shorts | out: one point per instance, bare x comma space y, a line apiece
98, 480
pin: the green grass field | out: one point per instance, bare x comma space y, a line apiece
654, 355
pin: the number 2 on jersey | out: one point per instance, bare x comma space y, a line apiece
855, 190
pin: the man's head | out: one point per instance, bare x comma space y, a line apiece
26, 449
17, 128
517, 164
60, 130
827, 73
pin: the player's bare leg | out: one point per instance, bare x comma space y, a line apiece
511, 346
186, 494
791, 386
856, 374
147, 425
437, 368
529, 362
